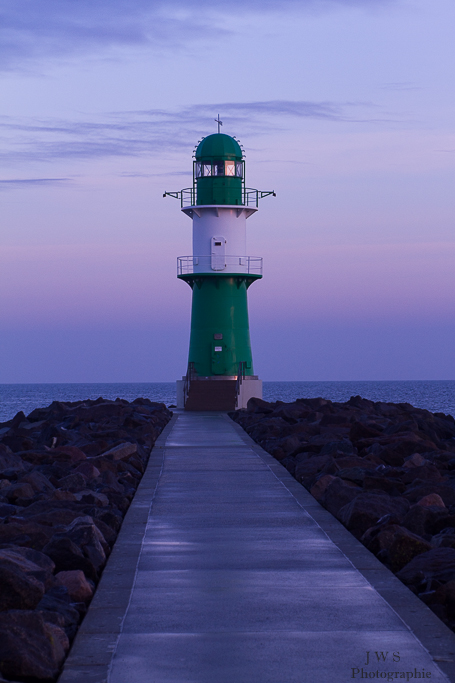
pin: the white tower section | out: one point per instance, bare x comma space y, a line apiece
219, 240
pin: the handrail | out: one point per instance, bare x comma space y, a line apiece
188, 265
188, 196
240, 378
190, 374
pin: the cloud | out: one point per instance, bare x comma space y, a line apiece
58, 28
26, 182
135, 133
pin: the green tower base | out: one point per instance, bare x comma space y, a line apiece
220, 336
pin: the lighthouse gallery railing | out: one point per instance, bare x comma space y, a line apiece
188, 265
187, 196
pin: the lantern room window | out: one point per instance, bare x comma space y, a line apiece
229, 167
206, 169
239, 169
198, 169
218, 168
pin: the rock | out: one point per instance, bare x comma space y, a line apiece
360, 430
354, 474
70, 454
367, 508
438, 563
421, 520
432, 500
30, 648
73, 482
77, 585
121, 451
26, 533
425, 473
57, 601
420, 489
88, 470
445, 538
338, 493
319, 487
37, 481
12, 558
306, 470
339, 448
18, 491
415, 460
10, 462
35, 556
400, 544
18, 590
6, 509
67, 556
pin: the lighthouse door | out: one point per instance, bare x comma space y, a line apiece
218, 253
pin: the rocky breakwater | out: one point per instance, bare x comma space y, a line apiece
385, 470
67, 476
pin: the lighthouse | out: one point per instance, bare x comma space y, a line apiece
220, 374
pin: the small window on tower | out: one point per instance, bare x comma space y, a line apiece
198, 169
217, 244
218, 349
207, 169
229, 168
218, 168
239, 169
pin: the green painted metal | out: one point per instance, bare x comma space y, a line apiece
215, 183
220, 307
218, 145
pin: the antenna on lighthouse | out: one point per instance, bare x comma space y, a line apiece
219, 122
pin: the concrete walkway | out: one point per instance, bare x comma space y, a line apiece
226, 570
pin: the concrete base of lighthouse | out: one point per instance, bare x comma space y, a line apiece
216, 393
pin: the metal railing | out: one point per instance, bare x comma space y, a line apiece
188, 196
240, 377
188, 265
190, 375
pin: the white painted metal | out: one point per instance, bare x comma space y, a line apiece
209, 222
218, 253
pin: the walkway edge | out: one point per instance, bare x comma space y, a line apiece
429, 630
94, 647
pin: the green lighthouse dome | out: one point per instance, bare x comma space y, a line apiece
219, 145
219, 171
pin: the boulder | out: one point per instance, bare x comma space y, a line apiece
432, 500
30, 647
25, 532
76, 584
16, 560
18, 590
421, 520
400, 545
367, 508
67, 556
57, 602
10, 462
123, 450
338, 493
319, 487
73, 482
18, 491
38, 481
438, 563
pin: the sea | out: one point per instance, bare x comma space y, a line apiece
436, 396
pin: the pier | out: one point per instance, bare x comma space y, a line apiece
226, 570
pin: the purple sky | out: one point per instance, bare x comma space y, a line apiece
345, 108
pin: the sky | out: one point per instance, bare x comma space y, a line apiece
345, 108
